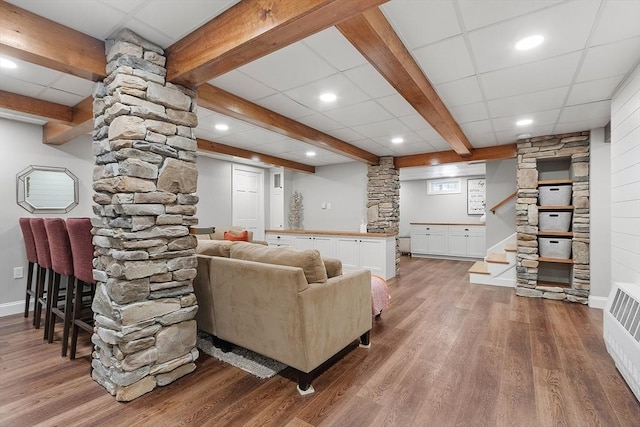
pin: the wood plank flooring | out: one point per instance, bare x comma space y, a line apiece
446, 353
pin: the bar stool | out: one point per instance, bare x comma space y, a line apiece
62, 265
80, 237
32, 258
44, 270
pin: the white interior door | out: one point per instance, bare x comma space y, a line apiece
248, 199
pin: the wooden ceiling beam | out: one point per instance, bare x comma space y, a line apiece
250, 30
223, 102
374, 37
495, 152
25, 104
217, 148
27, 36
81, 123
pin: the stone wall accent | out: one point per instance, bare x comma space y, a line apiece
383, 199
145, 181
576, 147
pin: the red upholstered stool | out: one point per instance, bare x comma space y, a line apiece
80, 237
44, 263
32, 258
379, 295
62, 264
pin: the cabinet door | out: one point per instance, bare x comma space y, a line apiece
303, 242
347, 251
437, 243
419, 244
476, 246
326, 246
372, 256
279, 240
457, 244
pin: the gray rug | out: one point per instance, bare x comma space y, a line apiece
247, 360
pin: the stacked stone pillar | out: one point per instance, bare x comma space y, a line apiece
530, 151
383, 199
145, 182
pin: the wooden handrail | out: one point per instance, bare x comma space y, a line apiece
493, 209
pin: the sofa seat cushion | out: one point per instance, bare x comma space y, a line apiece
214, 247
309, 260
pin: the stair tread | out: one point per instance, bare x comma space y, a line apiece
498, 258
479, 267
511, 247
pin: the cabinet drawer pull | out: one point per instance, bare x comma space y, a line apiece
554, 215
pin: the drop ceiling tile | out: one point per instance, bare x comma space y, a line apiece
20, 87
345, 134
126, 6
370, 81
583, 125
282, 146
387, 128
592, 111
595, 90
439, 144
261, 136
60, 97
528, 102
408, 137
479, 127
414, 121
610, 60
422, 22
469, 112
460, 92
428, 134
483, 140
396, 105
335, 49
445, 61
510, 136
539, 119
284, 105
618, 21
373, 147
346, 91
145, 31
531, 77
359, 114
476, 14
235, 126
29, 72
75, 85
409, 149
565, 29
242, 85
320, 122
289, 67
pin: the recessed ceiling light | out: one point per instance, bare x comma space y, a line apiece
310, 153
524, 122
529, 42
328, 97
524, 135
222, 126
5, 63
397, 140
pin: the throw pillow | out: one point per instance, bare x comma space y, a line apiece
240, 237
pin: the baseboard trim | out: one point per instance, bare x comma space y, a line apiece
10, 308
598, 302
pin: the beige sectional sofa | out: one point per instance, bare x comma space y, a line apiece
287, 304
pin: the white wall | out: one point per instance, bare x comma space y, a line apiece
501, 182
22, 146
600, 210
417, 206
343, 185
625, 181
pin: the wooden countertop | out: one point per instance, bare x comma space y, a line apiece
447, 223
331, 233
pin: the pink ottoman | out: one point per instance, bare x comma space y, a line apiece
379, 295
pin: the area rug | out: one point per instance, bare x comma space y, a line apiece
247, 360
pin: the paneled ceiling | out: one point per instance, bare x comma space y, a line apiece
465, 48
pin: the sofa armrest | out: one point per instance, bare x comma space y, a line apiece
334, 314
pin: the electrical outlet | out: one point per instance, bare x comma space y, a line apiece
18, 272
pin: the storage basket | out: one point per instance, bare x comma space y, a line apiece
555, 195
554, 221
555, 248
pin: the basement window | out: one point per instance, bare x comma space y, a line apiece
443, 186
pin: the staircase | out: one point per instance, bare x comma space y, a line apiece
498, 267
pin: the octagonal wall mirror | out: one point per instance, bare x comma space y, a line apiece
47, 189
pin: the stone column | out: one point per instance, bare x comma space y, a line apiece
383, 199
145, 182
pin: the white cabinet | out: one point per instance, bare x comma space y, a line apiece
448, 240
326, 245
279, 239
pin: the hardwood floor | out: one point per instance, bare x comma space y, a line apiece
445, 353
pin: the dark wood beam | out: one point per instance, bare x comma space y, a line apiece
223, 102
250, 30
495, 152
25, 104
81, 123
373, 36
27, 36
215, 147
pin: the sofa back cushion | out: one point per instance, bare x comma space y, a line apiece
214, 248
309, 260
333, 266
